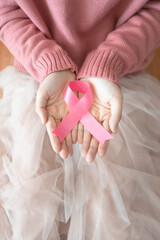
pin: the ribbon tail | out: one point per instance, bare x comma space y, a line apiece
63, 129
68, 123
95, 128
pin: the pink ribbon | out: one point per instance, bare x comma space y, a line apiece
79, 112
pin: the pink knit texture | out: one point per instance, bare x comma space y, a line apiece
106, 39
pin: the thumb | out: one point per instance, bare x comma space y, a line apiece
41, 102
116, 113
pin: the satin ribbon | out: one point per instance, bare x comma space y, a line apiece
79, 112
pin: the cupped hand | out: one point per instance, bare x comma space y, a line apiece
107, 110
52, 109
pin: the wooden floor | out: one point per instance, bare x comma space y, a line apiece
7, 59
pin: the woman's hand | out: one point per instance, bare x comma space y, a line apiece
107, 110
52, 109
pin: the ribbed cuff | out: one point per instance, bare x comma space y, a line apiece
19, 66
102, 64
50, 62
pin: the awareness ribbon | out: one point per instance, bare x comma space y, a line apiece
79, 112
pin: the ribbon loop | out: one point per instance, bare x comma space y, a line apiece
79, 112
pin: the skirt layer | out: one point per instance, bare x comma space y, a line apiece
45, 197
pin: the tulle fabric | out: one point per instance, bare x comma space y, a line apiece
45, 197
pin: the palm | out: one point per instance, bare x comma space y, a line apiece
101, 108
56, 107
52, 109
106, 109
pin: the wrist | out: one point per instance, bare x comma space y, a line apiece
57, 80
95, 79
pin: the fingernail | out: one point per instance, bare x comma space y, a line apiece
82, 154
88, 160
42, 121
70, 154
116, 129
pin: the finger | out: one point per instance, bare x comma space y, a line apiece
80, 133
116, 113
74, 134
92, 150
86, 142
64, 151
102, 148
51, 125
41, 102
69, 144
42, 112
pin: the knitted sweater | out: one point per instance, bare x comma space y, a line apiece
93, 38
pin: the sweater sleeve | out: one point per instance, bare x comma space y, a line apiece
38, 54
128, 48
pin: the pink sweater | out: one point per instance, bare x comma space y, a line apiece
93, 38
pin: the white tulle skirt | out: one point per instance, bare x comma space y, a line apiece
43, 197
